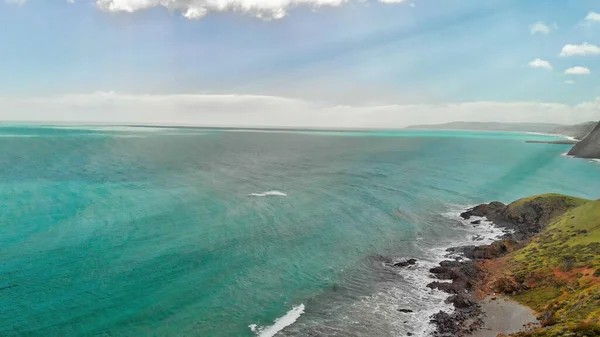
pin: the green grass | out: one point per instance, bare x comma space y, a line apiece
558, 273
550, 198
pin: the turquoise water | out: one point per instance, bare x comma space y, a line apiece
129, 231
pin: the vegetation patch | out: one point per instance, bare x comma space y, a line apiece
557, 273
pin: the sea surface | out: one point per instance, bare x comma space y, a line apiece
138, 231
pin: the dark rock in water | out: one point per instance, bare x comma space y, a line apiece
406, 263
445, 323
443, 286
409, 333
443, 273
476, 222
450, 264
405, 310
477, 238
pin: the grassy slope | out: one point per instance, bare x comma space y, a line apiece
558, 273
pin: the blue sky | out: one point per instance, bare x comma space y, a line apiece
322, 53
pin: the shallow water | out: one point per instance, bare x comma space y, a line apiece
207, 232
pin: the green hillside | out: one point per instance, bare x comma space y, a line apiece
558, 273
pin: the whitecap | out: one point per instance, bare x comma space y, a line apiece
268, 193
281, 323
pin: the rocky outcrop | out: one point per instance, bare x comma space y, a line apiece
525, 218
588, 147
409, 262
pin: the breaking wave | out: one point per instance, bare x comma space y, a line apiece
279, 324
268, 193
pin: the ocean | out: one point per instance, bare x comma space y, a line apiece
140, 231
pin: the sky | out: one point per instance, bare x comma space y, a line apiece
300, 63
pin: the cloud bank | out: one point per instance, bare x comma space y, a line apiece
197, 9
272, 111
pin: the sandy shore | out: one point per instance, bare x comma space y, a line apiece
503, 315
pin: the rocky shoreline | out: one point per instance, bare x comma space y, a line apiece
540, 277
465, 276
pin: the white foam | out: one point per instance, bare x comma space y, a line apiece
486, 231
553, 135
268, 193
279, 324
424, 301
420, 275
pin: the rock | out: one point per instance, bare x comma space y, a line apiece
442, 273
476, 222
459, 301
406, 263
484, 252
405, 310
484, 210
445, 323
504, 285
443, 286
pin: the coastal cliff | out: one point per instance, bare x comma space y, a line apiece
549, 261
589, 147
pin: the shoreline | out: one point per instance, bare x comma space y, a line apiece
479, 312
547, 260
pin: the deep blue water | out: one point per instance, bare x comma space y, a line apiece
123, 231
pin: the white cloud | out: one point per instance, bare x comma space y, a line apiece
272, 111
195, 13
593, 17
577, 71
539, 63
580, 49
541, 28
196, 9
569, 82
